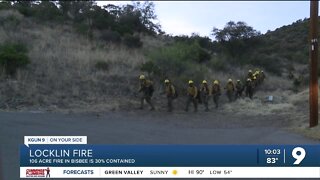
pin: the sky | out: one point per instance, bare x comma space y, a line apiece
187, 17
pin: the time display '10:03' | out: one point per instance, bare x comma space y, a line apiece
272, 151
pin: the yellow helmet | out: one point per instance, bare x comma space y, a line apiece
254, 77
204, 82
215, 82
229, 80
166, 81
190, 82
141, 77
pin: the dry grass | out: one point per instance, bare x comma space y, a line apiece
257, 107
313, 133
62, 72
273, 86
300, 118
293, 106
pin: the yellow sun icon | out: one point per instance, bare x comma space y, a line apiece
174, 172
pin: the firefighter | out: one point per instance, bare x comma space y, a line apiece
192, 93
263, 76
147, 89
254, 82
230, 90
239, 89
250, 74
216, 92
249, 88
170, 92
204, 93
258, 76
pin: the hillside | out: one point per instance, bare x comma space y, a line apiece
63, 69
286, 46
73, 71
69, 70
289, 42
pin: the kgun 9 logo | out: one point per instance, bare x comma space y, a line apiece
298, 154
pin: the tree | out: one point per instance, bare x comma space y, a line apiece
236, 38
47, 11
102, 19
76, 10
234, 31
5, 5
129, 20
24, 7
81, 13
148, 16
113, 10
138, 17
204, 42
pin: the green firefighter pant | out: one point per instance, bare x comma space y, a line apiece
238, 93
194, 101
205, 99
216, 100
249, 92
148, 100
170, 107
230, 95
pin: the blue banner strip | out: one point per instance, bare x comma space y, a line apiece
169, 155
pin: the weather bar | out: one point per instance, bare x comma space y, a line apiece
170, 172
168, 161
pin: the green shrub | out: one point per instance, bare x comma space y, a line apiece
271, 63
12, 57
178, 62
190, 52
196, 73
24, 8
11, 21
218, 63
171, 60
132, 41
181, 52
297, 82
111, 36
299, 57
203, 55
5, 5
102, 65
83, 29
150, 68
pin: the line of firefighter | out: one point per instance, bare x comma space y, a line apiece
233, 91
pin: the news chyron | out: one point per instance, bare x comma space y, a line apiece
73, 157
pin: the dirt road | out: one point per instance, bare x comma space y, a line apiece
141, 128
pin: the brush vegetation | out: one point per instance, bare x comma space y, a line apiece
75, 54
